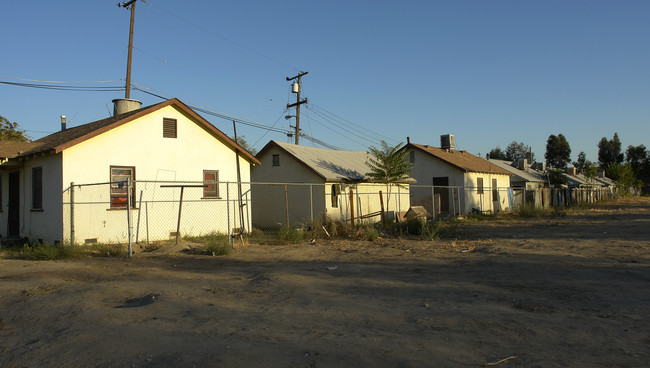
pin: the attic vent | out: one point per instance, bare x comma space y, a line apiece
447, 142
169, 128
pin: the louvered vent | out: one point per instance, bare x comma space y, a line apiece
169, 128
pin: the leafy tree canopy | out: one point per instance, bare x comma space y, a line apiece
638, 158
9, 131
609, 151
388, 165
242, 142
558, 151
515, 151
580, 163
496, 153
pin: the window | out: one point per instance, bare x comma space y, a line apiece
37, 188
412, 156
479, 185
169, 128
495, 190
276, 160
120, 177
0, 192
336, 192
211, 182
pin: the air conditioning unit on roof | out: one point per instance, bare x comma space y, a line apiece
447, 141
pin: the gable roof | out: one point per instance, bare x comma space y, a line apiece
524, 175
59, 141
461, 160
331, 165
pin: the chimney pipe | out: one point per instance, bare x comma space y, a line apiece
63, 123
408, 140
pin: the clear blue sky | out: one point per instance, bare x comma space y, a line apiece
489, 72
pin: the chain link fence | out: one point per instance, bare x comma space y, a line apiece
146, 211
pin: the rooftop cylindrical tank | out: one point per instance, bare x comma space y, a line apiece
122, 105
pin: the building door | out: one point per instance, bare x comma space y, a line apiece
13, 209
441, 190
496, 205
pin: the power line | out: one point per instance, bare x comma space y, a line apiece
343, 128
361, 128
68, 82
225, 38
66, 88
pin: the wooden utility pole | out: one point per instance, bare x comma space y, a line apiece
131, 6
298, 102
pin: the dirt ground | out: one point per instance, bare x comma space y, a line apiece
569, 291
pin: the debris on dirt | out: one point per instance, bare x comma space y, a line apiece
499, 362
140, 302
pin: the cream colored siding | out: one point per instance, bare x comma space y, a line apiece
140, 144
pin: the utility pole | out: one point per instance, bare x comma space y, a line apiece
295, 88
131, 6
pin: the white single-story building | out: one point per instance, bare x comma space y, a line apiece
464, 183
71, 186
301, 183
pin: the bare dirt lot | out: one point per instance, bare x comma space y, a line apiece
570, 291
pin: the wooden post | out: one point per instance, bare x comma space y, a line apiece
286, 204
180, 207
352, 206
383, 215
72, 213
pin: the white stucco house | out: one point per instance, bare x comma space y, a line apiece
522, 176
167, 141
464, 183
318, 182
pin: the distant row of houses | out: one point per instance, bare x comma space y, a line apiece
169, 141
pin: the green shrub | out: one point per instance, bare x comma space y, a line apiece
108, 250
290, 235
46, 252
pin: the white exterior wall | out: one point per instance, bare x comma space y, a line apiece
464, 197
36, 224
305, 201
311, 199
366, 201
140, 144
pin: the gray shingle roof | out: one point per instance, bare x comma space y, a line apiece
331, 165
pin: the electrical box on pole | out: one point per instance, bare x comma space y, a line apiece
295, 88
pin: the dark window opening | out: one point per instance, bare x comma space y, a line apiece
276, 160
37, 188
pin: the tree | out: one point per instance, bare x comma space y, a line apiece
624, 177
637, 157
242, 142
580, 163
496, 154
609, 151
9, 131
515, 151
558, 151
388, 165
556, 177
590, 170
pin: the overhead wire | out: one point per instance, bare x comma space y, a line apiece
225, 38
361, 128
322, 116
